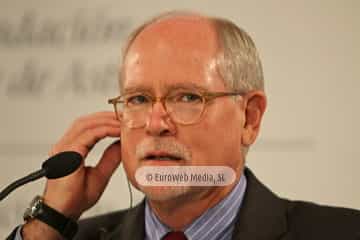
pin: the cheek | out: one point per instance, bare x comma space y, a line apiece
128, 148
215, 146
217, 140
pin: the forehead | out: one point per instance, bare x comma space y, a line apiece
171, 51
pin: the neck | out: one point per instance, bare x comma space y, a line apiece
182, 211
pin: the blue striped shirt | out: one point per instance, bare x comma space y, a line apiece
217, 223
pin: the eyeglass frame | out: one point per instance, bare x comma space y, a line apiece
206, 96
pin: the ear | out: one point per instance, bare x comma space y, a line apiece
255, 105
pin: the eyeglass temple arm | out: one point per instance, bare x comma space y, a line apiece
211, 96
114, 100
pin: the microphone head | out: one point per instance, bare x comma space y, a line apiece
62, 164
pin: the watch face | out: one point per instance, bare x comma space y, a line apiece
33, 209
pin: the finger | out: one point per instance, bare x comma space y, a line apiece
87, 122
101, 114
81, 125
92, 136
92, 120
96, 115
86, 141
100, 175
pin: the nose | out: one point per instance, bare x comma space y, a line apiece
158, 122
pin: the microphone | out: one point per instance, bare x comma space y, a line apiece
57, 166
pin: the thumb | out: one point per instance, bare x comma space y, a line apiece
110, 160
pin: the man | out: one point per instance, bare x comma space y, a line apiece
192, 94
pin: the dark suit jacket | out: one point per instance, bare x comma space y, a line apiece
262, 216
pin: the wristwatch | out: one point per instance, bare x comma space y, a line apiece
39, 210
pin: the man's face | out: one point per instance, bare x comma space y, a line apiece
173, 52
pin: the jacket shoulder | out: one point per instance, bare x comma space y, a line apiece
312, 221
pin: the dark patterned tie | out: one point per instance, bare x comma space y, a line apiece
174, 236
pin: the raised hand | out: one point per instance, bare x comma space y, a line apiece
74, 194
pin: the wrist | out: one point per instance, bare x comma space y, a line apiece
35, 229
39, 210
64, 208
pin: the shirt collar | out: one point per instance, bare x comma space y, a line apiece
213, 223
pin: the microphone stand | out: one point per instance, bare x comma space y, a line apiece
29, 178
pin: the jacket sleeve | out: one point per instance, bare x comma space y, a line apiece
15, 234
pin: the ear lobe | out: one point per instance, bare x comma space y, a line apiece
254, 110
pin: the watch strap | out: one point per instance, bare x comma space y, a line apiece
64, 225
67, 227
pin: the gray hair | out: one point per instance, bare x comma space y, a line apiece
238, 60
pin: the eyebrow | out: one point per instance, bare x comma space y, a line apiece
169, 87
192, 86
128, 90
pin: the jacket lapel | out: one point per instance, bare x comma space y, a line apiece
262, 214
133, 226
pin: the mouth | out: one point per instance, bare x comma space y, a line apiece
161, 156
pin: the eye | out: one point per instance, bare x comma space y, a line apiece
188, 98
137, 100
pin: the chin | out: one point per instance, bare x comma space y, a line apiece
165, 193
